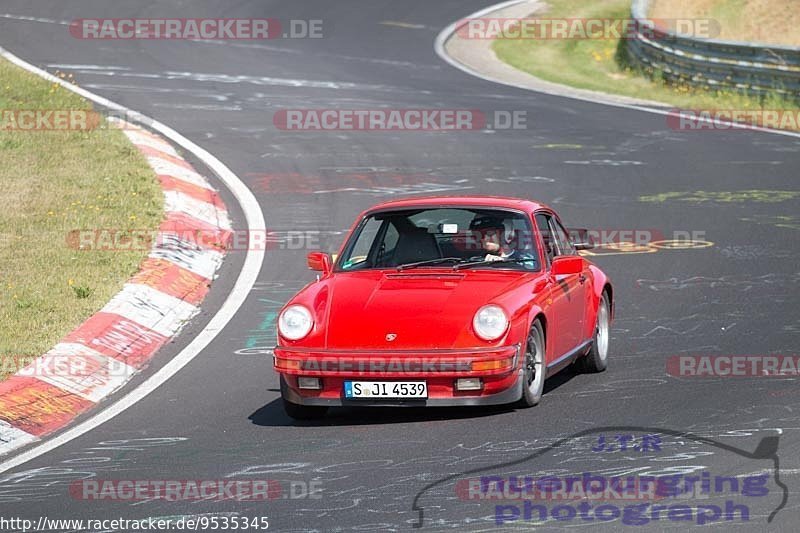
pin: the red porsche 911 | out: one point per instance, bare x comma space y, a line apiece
444, 301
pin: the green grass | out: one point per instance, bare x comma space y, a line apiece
601, 64
54, 182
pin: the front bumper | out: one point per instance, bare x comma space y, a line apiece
499, 370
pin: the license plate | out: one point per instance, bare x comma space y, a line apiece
385, 389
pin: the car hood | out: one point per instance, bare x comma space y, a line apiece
420, 309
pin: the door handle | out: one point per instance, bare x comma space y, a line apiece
582, 279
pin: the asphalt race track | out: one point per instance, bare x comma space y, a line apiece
220, 418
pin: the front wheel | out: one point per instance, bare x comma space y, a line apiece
533, 370
597, 358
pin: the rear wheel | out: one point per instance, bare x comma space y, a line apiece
533, 369
297, 411
597, 358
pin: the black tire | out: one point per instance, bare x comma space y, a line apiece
300, 412
597, 358
533, 367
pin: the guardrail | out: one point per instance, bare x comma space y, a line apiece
726, 65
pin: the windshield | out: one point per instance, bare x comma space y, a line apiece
442, 238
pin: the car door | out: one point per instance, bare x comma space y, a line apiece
580, 283
567, 293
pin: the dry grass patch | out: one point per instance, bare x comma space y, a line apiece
766, 21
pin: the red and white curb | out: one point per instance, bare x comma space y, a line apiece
109, 348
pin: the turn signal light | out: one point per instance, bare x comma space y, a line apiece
287, 364
484, 366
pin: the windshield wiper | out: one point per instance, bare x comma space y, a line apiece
496, 261
429, 262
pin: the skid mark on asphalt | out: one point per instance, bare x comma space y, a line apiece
25, 18
377, 61
724, 197
88, 68
696, 324
630, 248
385, 181
216, 77
782, 147
641, 141
737, 283
521, 179
563, 146
606, 163
752, 252
367, 183
192, 93
106, 458
231, 79
199, 107
418, 188
710, 328
405, 25
778, 221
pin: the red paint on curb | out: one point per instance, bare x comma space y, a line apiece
169, 183
210, 237
37, 407
171, 279
152, 152
117, 337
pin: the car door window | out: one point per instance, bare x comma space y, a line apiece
388, 245
543, 224
361, 248
565, 246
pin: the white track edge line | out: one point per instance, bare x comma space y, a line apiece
245, 282
449, 31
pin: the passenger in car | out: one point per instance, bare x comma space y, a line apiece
496, 239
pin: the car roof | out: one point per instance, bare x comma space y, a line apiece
475, 201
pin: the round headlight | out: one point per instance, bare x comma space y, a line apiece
295, 322
490, 322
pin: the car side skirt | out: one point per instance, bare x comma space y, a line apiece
564, 361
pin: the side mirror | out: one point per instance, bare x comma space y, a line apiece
320, 261
580, 239
567, 265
